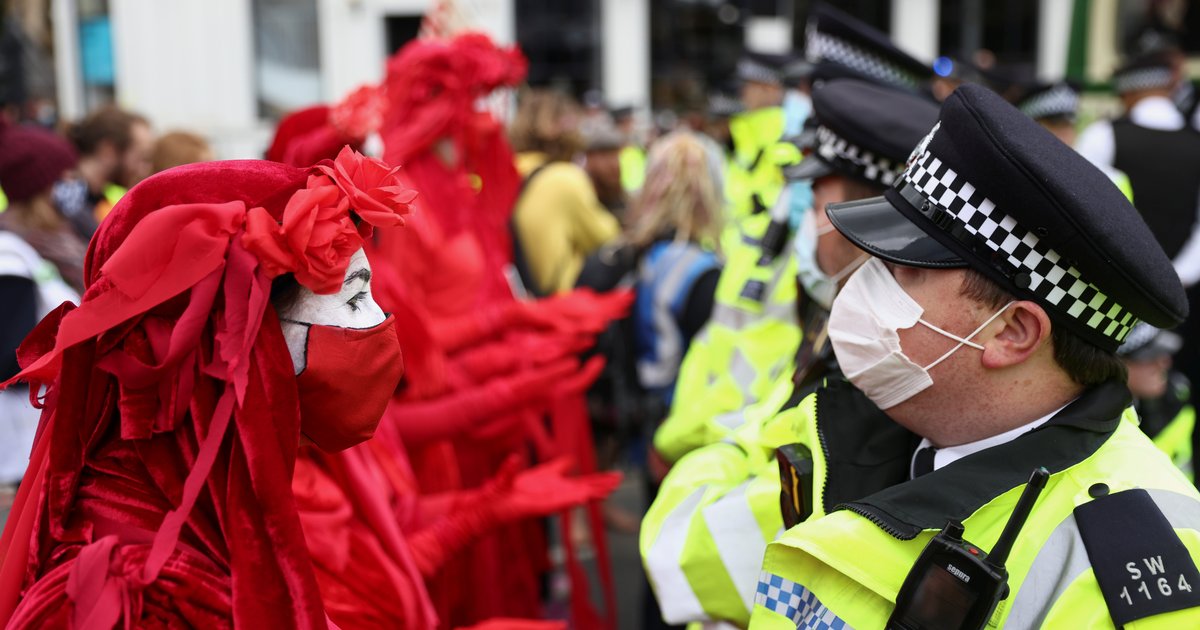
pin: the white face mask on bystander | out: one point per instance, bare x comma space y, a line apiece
864, 327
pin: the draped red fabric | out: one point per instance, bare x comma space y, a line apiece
159, 488
365, 569
453, 264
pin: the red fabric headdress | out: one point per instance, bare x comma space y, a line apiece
433, 88
136, 501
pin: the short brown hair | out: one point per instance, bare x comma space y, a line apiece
537, 125
178, 148
1084, 362
107, 124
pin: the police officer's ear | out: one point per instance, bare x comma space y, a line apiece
1024, 329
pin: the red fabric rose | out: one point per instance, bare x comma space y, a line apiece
315, 240
372, 188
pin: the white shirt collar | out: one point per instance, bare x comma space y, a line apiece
944, 456
1157, 112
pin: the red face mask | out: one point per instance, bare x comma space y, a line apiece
349, 376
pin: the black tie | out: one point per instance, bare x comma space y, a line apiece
923, 462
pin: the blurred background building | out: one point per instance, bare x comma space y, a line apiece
229, 68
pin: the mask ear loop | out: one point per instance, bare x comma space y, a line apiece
850, 268
961, 340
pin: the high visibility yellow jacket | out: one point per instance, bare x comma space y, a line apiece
754, 169
747, 344
844, 566
703, 538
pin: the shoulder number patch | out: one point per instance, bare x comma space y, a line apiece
1141, 565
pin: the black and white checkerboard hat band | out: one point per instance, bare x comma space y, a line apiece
851, 159
1143, 79
958, 209
749, 70
825, 47
1060, 100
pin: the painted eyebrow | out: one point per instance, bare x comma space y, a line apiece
361, 274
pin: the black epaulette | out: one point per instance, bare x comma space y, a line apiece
1142, 567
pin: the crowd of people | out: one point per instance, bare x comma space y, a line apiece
883, 345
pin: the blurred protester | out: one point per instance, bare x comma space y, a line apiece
675, 223
558, 218
178, 148
31, 162
1161, 395
633, 154
605, 165
114, 154
666, 253
498, 377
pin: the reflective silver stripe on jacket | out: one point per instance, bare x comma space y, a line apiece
1063, 559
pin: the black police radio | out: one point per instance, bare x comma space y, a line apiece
954, 585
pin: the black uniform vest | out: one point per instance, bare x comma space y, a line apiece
1164, 171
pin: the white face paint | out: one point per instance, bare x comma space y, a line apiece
351, 307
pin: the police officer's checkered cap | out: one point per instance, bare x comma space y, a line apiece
1059, 99
1149, 71
841, 46
866, 131
1143, 79
1033, 214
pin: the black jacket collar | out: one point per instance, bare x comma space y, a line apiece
868, 455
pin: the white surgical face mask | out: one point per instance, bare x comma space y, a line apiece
819, 285
864, 328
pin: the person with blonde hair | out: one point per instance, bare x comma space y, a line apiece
558, 219
669, 255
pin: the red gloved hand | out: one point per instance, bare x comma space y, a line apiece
544, 348
587, 311
536, 384
545, 490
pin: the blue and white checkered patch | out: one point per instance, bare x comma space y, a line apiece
797, 603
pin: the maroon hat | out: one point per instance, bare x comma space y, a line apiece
31, 160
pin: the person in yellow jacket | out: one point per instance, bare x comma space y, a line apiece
755, 178
558, 219
703, 538
980, 347
1162, 396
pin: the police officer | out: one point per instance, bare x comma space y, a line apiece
1161, 395
980, 346
748, 346
704, 536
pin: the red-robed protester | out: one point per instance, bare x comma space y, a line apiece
159, 489
454, 263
